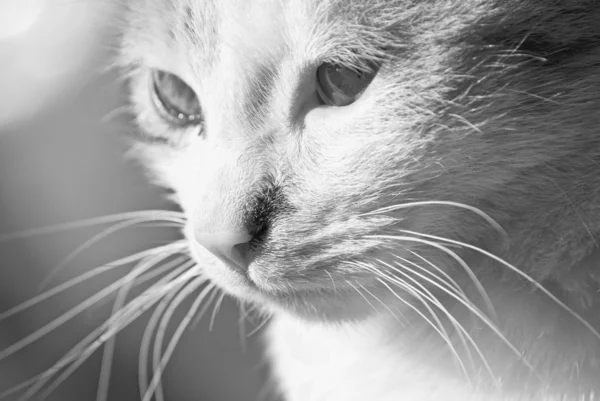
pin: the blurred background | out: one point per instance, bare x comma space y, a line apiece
61, 160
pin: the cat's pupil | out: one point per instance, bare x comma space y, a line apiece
340, 86
175, 100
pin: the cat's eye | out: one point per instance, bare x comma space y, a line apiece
175, 100
340, 86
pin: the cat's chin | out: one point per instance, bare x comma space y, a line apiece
321, 307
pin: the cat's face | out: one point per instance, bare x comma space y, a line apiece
305, 139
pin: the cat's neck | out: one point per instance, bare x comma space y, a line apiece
384, 356
352, 361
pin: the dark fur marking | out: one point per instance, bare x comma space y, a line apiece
264, 206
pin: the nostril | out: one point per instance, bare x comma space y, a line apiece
259, 235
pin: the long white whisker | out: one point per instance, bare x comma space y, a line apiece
461, 262
520, 273
20, 387
403, 284
461, 332
161, 333
75, 310
165, 215
437, 327
492, 326
204, 309
171, 248
109, 346
448, 289
150, 328
449, 280
362, 295
380, 301
242, 325
73, 361
56, 290
473, 209
81, 248
178, 333
61, 378
59, 321
332, 281
457, 293
112, 326
216, 310
265, 320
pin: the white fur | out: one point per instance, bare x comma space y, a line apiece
481, 110
353, 362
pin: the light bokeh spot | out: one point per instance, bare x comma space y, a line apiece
19, 16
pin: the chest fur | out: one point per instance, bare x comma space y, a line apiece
351, 363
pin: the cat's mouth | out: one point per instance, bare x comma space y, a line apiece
250, 284
311, 301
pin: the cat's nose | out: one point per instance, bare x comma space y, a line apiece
231, 247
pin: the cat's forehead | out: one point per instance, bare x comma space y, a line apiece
199, 31
202, 28
227, 23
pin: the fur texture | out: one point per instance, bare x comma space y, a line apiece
382, 260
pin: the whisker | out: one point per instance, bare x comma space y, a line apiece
473, 209
162, 330
380, 301
109, 346
19, 387
80, 249
216, 310
404, 285
178, 333
449, 280
200, 314
332, 280
520, 273
109, 350
171, 248
151, 215
112, 326
70, 313
143, 381
460, 330
61, 378
242, 325
58, 322
437, 327
362, 295
438, 284
72, 362
461, 262
265, 319
475, 310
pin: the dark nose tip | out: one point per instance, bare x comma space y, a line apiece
231, 247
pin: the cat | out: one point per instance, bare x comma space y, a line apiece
410, 189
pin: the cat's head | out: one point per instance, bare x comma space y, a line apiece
316, 146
